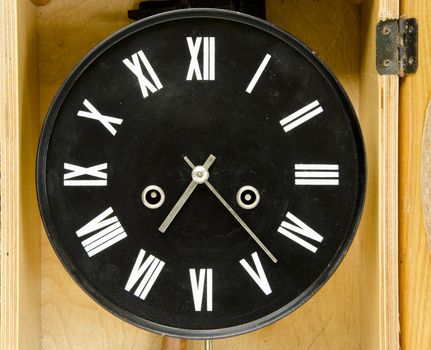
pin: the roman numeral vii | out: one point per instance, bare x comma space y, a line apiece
147, 271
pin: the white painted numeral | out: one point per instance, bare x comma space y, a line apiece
295, 225
317, 174
93, 113
258, 73
78, 171
136, 68
258, 276
301, 116
106, 232
198, 285
147, 271
208, 58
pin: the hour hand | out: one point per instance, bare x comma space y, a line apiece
189, 190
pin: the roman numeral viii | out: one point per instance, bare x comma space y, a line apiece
147, 271
294, 227
208, 58
259, 275
106, 232
198, 286
94, 172
135, 66
301, 116
93, 113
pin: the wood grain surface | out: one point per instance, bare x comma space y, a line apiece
426, 174
20, 221
415, 257
356, 309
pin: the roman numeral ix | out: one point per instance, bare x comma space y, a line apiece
147, 271
259, 275
198, 286
106, 232
79, 171
208, 58
294, 227
299, 117
317, 174
136, 68
93, 113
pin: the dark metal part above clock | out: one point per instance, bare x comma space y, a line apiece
201, 173
149, 8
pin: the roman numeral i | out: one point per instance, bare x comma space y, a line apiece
106, 232
147, 271
144, 83
198, 286
208, 58
294, 227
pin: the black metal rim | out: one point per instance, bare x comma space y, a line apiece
42, 193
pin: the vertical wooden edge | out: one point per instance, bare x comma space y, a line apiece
20, 223
9, 186
388, 221
379, 103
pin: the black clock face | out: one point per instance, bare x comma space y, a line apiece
201, 174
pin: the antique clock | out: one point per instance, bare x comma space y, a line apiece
201, 173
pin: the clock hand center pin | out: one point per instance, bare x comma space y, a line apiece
200, 174
229, 208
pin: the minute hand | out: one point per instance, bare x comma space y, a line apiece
236, 216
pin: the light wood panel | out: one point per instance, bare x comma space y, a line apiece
415, 257
20, 223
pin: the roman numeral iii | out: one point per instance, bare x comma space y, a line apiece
105, 230
136, 67
93, 113
294, 227
198, 285
147, 271
208, 59
301, 116
317, 174
94, 172
257, 273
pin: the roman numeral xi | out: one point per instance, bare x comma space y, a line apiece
106, 230
135, 65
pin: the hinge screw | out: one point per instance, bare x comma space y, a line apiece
386, 30
387, 63
411, 61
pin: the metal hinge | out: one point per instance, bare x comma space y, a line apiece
397, 46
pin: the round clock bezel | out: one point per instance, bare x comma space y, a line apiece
45, 141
